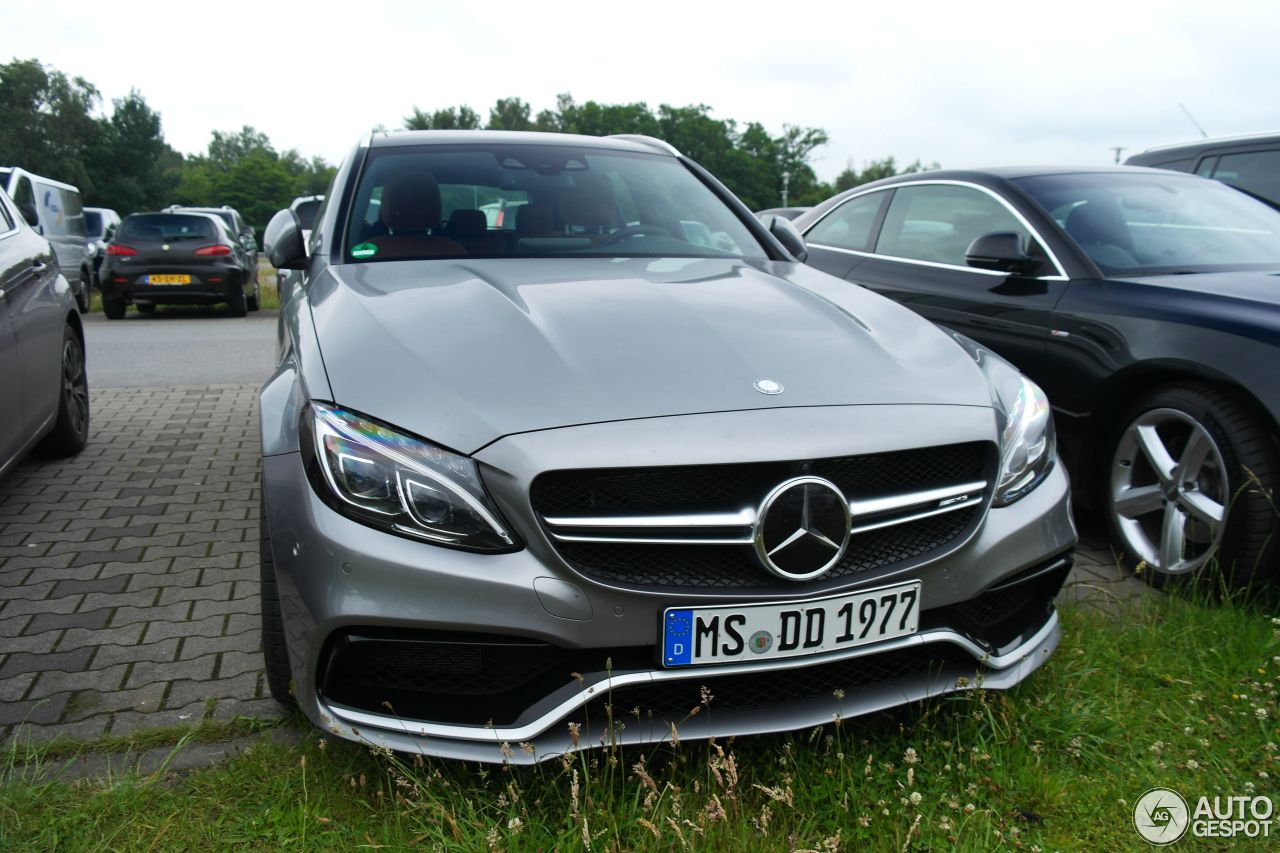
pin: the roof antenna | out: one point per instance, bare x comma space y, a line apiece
1193, 121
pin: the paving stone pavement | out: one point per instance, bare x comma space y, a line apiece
129, 574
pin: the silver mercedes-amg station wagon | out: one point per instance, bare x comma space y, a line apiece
566, 448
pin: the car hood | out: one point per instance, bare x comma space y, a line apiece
465, 352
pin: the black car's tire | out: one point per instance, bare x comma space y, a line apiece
275, 653
251, 301
71, 429
1216, 461
145, 307
236, 304
85, 292
113, 308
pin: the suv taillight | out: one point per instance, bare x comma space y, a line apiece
209, 251
121, 251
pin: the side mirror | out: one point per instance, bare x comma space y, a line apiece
248, 242
788, 236
283, 239
1000, 251
29, 213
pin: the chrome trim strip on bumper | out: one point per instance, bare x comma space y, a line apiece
531, 730
661, 529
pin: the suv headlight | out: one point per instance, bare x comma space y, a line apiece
1026, 424
389, 480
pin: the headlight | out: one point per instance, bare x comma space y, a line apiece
1026, 424
401, 484
1026, 444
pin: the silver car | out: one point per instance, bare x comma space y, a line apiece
626, 468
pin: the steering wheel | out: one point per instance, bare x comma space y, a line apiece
635, 231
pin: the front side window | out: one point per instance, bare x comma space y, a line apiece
938, 222
1151, 224
496, 200
849, 225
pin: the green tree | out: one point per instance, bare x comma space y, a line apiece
131, 167
244, 171
449, 118
510, 114
46, 121
877, 169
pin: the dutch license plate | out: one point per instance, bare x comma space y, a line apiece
693, 636
167, 278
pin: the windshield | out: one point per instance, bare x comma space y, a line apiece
166, 227
503, 200
93, 223
1135, 224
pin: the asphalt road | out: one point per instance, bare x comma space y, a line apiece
188, 348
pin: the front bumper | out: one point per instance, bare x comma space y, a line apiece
337, 577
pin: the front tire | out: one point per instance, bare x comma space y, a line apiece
236, 306
71, 429
1188, 492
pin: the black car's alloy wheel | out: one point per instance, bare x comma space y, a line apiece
1191, 475
71, 430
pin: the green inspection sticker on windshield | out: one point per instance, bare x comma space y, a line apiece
364, 250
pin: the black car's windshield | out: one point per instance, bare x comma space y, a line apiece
93, 224
167, 227
512, 200
1137, 224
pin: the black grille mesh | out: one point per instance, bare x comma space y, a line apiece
727, 488
676, 699
735, 566
713, 488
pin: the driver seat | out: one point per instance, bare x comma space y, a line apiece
410, 211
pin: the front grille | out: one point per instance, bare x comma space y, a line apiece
559, 497
707, 488
735, 567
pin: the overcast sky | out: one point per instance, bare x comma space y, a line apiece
965, 84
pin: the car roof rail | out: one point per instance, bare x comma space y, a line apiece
649, 141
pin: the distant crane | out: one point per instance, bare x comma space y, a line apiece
1119, 149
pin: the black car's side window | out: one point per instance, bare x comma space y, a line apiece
849, 225
936, 223
1257, 172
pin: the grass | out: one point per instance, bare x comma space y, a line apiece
1179, 691
268, 297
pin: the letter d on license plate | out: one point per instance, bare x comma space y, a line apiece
693, 636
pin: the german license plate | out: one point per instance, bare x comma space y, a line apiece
696, 636
168, 278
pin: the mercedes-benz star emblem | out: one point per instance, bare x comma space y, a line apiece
802, 528
767, 386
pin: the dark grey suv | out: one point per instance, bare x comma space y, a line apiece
530, 489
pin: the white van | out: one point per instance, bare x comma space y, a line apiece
54, 210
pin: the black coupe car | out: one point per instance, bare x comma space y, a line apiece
1145, 303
